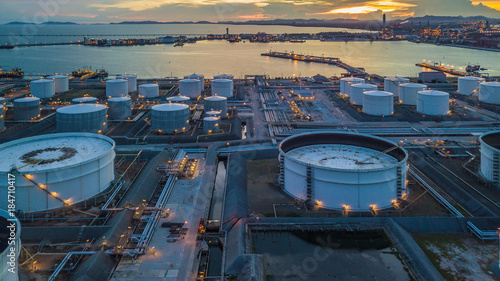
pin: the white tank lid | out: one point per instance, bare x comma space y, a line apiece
148, 86
178, 98
471, 78
57, 76
28, 99
84, 99
364, 86
491, 84
433, 93
213, 112
379, 93
189, 81
412, 85
116, 81
81, 108
352, 79
222, 81
119, 99
43, 81
170, 107
215, 98
211, 118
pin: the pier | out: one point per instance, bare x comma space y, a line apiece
443, 69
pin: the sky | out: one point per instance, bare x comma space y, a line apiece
105, 11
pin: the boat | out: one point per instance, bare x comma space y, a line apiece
6, 46
89, 74
15, 73
297, 41
473, 68
178, 43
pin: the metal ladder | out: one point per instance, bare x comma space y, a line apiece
496, 168
400, 183
281, 179
309, 186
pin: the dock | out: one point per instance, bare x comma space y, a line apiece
443, 69
321, 59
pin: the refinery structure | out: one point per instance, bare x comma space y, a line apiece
212, 177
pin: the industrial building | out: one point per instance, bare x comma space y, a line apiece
56, 170
88, 118
343, 171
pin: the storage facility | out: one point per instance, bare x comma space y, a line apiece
56, 170
89, 118
490, 156
345, 83
433, 102
8, 258
391, 84
489, 92
190, 88
217, 103
223, 87
149, 91
119, 108
211, 125
179, 99
170, 118
343, 171
469, 85
117, 88
131, 82
357, 91
61, 83
26, 108
84, 100
378, 103
408, 92
44, 88
2, 118
198, 77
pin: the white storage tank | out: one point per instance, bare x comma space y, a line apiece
211, 125
84, 100
170, 118
222, 87
2, 118
190, 88
378, 103
213, 113
116, 88
42, 88
201, 78
26, 108
3, 101
345, 83
9, 249
357, 91
391, 84
149, 91
489, 92
343, 171
216, 103
433, 102
468, 85
131, 82
56, 170
224, 76
90, 118
408, 92
179, 99
119, 108
61, 83
490, 156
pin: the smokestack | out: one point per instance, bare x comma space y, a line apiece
384, 21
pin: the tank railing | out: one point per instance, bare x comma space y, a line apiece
482, 234
120, 183
66, 259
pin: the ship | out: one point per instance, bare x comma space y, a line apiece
89, 74
15, 73
473, 68
7, 46
178, 43
297, 41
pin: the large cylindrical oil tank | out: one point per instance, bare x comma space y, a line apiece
190, 88
84, 100
56, 170
345, 83
224, 76
343, 171
378, 103
222, 87
211, 125
179, 99
468, 85
2, 118
131, 82
408, 92
10, 245
490, 156
42, 88
216, 103
357, 91
26, 108
170, 118
61, 83
149, 91
119, 108
489, 92
433, 102
391, 84
201, 78
117, 88
89, 118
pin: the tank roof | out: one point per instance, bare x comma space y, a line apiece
84, 99
433, 93
222, 81
116, 81
378, 93
53, 151
214, 112
43, 81
81, 108
397, 78
215, 98
127, 76
27, 99
151, 85
342, 157
412, 85
178, 98
491, 84
472, 78
351, 79
119, 99
57, 76
170, 107
364, 86
189, 80
211, 118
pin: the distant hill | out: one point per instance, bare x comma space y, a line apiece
162, 22
48, 22
442, 19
